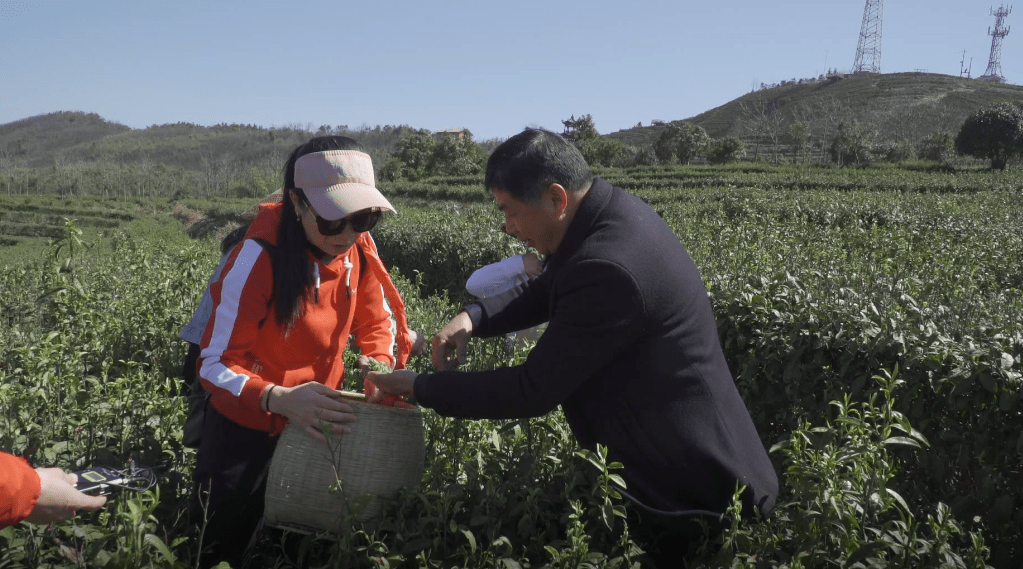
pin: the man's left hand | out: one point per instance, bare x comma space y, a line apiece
400, 382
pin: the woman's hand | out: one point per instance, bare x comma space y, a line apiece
418, 343
58, 497
367, 364
312, 407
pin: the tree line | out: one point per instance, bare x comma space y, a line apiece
994, 133
189, 161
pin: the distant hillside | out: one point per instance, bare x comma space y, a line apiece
40, 136
75, 152
71, 137
902, 107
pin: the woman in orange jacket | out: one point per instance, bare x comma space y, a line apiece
40, 495
307, 277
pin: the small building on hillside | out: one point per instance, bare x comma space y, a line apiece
457, 132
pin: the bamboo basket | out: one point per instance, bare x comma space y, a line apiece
385, 451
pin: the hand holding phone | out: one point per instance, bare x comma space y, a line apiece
99, 481
106, 481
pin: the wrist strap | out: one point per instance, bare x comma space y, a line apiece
272, 386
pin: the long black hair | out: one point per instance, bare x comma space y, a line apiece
293, 276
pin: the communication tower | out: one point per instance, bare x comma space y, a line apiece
868, 50
963, 70
994, 64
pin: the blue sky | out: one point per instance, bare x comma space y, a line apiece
491, 67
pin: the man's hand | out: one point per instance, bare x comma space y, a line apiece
399, 382
58, 498
450, 343
532, 264
312, 406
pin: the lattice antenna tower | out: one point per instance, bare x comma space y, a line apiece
994, 65
868, 50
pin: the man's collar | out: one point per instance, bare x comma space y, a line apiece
593, 202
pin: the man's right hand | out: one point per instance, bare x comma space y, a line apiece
450, 343
532, 264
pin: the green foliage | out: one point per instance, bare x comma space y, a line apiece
602, 151
680, 142
839, 509
412, 156
457, 155
640, 156
419, 155
799, 135
819, 277
993, 133
597, 150
852, 145
580, 129
894, 152
939, 146
728, 149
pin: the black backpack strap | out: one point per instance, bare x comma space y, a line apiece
270, 247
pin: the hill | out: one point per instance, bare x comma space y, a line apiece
39, 138
77, 152
70, 137
902, 107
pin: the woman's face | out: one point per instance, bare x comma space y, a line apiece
333, 245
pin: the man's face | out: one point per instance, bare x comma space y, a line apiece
533, 224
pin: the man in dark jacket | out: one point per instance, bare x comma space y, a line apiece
631, 350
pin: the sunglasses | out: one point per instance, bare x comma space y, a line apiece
360, 222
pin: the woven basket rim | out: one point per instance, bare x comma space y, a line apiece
358, 400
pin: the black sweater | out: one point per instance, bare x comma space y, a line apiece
631, 353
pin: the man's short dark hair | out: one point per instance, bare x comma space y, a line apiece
527, 164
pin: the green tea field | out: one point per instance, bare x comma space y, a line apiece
872, 319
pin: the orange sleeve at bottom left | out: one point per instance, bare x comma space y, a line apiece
19, 489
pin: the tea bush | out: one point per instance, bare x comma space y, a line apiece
820, 280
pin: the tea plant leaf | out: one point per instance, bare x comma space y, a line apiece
160, 548
988, 381
904, 441
471, 538
865, 552
898, 498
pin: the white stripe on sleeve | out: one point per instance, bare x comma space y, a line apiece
224, 320
394, 322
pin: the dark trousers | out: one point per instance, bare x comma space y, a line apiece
230, 479
669, 541
197, 399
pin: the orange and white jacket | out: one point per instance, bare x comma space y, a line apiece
244, 349
19, 489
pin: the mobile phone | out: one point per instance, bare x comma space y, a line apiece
99, 481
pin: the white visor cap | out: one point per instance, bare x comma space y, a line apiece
339, 183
